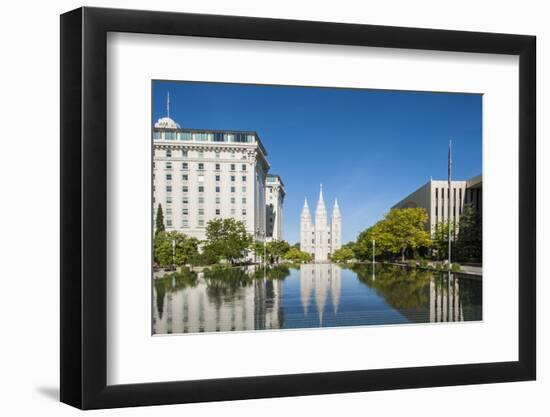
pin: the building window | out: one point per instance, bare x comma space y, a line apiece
184, 153
201, 166
168, 165
169, 210
201, 222
217, 188
217, 212
185, 200
217, 178
244, 212
184, 177
169, 222
168, 200
243, 167
184, 165
185, 211
217, 200
232, 167
232, 200
232, 178
217, 167
201, 189
185, 223
168, 188
244, 200
244, 189
168, 153
460, 201
232, 189
184, 189
201, 212
168, 177
232, 211
201, 200
244, 178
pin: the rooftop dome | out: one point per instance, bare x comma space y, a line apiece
167, 123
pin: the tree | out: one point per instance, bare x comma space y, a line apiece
174, 248
227, 239
276, 249
440, 239
159, 223
273, 250
345, 253
468, 243
297, 256
401, 229
406, 229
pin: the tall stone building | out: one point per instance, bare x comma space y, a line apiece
200, 175
320, 238
275, 195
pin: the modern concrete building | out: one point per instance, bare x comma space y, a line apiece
320, 239
275, 195
434, 198
199, 175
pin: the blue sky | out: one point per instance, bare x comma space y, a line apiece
369, 148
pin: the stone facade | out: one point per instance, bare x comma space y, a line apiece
320, 238
199, 175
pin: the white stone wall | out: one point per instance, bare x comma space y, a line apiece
275, 195
241, 192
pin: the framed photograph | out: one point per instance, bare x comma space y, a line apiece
256, 208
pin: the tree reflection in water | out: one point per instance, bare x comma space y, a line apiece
315, 295
444, 296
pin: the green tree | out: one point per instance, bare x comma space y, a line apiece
159, 223
440, 240
401, 229
227, 239
276, 250
174, 248
344, 254
468, 243
406, 229
297, 256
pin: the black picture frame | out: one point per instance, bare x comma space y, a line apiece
84, 207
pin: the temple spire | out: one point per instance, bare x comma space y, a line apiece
305, 211
336, 209
321, 209
168, 104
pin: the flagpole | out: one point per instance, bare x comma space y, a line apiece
449, 203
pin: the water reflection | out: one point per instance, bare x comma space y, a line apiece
313, 295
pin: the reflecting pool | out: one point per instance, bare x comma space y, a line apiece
312, 295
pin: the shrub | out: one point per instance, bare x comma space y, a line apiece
455, 268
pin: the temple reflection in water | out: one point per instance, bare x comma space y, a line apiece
313, 295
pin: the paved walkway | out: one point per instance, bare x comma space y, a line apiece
477, 270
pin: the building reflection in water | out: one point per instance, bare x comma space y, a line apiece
314, 295
239, 299
318, 280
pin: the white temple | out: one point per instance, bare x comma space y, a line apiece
320, 239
